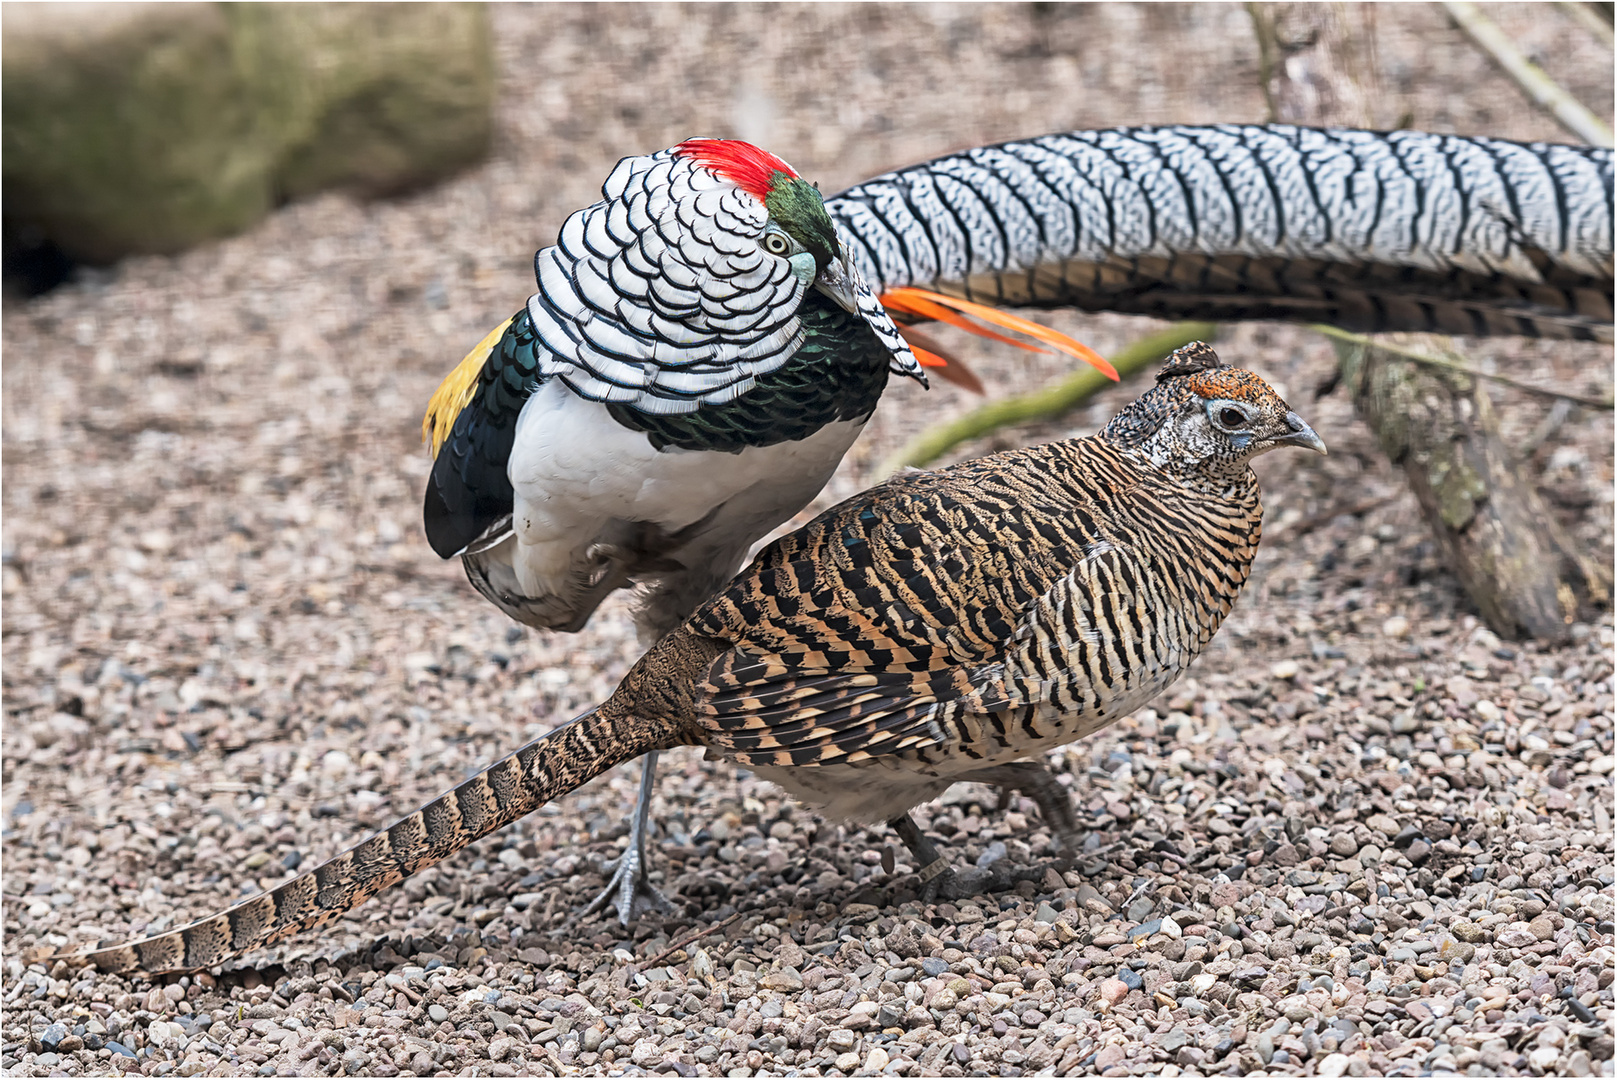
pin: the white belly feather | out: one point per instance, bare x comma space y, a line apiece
577, 474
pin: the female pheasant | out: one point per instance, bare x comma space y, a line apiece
699, 356
940, 627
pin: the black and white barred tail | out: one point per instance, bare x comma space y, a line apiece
1366, 230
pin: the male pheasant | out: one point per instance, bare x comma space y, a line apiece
699, 356
940, 627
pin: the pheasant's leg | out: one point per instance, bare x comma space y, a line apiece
631, 885
939, 880
1038, 783
1033, 780
934, 867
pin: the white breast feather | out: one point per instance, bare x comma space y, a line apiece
575, 471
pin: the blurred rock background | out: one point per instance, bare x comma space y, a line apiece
145, 128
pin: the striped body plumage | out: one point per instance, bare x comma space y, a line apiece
990, 652
976, 616
942, 626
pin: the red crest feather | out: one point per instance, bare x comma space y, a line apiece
743, 164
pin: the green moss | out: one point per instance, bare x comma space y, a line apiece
1458, 488
375, 97
152, 127
141, 141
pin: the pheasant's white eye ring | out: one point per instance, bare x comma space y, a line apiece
776, 244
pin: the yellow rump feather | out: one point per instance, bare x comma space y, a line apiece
455, 392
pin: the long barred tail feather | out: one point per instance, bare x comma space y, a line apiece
1365, 230
509, 789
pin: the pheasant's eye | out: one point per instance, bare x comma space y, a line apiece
776, 244
1231, 417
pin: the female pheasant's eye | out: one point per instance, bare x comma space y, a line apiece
776, 244
1231, 418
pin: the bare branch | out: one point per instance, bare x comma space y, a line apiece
1540, 89
1587, 17
1263, 28
1456, 366
1527, 577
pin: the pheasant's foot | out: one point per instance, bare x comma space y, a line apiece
630, 890
963, 883
968, 882
935, 873
939, 881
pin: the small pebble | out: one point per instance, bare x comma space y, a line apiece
1334, 1066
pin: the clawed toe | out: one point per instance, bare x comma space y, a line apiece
629, 892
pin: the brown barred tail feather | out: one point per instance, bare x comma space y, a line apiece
511, 788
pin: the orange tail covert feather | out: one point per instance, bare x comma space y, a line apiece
930, 305
926, 305
950, 368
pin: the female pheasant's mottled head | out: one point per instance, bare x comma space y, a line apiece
798, 222
1203, 416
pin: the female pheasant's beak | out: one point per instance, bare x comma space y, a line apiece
1301, 435
836, 281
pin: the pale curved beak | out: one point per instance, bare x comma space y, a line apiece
1301, 435
836, 281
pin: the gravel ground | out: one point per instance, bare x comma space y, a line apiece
1363, 837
